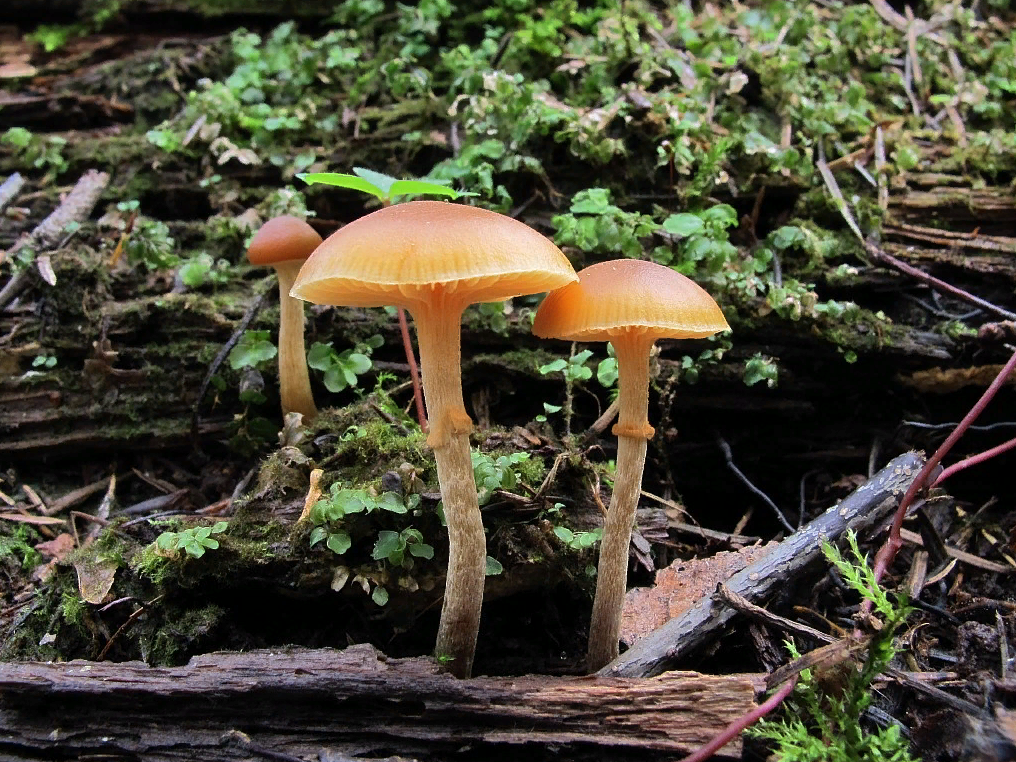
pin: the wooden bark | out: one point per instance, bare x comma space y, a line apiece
339, 704
863, 508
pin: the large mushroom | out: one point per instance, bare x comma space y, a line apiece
631, 304
434, 259
285, 243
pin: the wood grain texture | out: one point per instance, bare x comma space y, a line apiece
356, 702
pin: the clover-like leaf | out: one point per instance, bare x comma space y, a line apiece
339, 542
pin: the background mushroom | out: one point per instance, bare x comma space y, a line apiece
285, 243
434, 259
630, 303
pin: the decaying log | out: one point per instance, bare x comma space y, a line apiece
863, 508
338, 704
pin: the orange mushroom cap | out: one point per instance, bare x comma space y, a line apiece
615, 297
282, 239
398, 254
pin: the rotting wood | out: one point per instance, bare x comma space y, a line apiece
354, 702
703, 622
76, 207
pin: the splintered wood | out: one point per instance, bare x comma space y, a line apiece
301, 702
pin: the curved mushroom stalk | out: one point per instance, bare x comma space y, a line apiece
629, 302
438, 330
294, 380
633, 430
284, 243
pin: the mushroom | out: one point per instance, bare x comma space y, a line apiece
285, 243
434, 259
630, 303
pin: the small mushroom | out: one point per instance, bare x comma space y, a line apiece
630, 303
285, 243
434, 259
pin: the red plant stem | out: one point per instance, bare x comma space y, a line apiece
729, 732
973, 460
935, 283
893, 543
407, 345
414, 372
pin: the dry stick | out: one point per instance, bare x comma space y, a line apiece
881, 256
245, 321
894, 542
728, 456
10, 188
75, 207
700, 625
939, 285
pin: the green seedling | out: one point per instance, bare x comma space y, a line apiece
383, 187
341, 369
194, 541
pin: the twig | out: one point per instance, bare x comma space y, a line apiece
834, 190
75, 207
742, 604
729, 457
10, 188
940, 285
960, 555
866, 506
245, 321
130, 620
894, 542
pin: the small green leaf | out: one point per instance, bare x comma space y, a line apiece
683, 225
388, 542
335, 378
321, 356
389, 501
379, 596
553, 367
167, 541
358, 363
421, 550
404, 187
787, 236
564, 534
606, 372
591, 201
339, 542
252, 349
378, 179
493, 568
317, 535
342, 181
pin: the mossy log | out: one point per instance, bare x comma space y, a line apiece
345, 704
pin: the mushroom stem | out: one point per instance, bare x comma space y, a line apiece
438, 329
632, 430
294, 381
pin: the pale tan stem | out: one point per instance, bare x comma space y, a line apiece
294, 381
438, 329
633, 430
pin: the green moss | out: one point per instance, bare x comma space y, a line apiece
179, 633
72, 607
